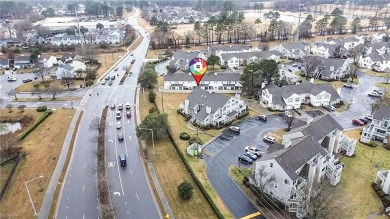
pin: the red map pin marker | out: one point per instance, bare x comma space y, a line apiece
198, 68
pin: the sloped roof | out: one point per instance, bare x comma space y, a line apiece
294, 157
201, 97
329, 63
22, 58
294, 45
217, 76
382, 112
230, 48
320, 127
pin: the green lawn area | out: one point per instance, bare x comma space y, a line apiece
29, 87
358, 174
373, 73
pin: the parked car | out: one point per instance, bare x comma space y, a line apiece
112, 77
368, 116
329, 108
120, 106
288, 113
113, 106
118, 125
122, 160
244, 159
27, 80
254, 150
263, 118
120, 137
103, 82
250, 155
289, 70
357, 122
127, 105
364, 120
269, 139
374, 93
107, 78
110, 82
235, 129
116, 69
348, 86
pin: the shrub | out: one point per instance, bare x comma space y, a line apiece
373, 184
185, 190
36, 124
245, 181
184, 136
152, 96
195, 140
42, 108
153, 110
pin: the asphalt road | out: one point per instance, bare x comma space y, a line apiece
129, 188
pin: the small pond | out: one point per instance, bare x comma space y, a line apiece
9, 127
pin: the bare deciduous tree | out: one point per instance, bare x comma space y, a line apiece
41, 73
9, 107
54, 90
37, 92
21, 108
89, 51
8, 142
12, 93
325, 202
263, 178
289, 121
353, 71
376, 103
310, 65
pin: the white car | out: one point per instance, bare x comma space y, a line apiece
368, 116
103, 82
120, 106
118, 114
269, 139
288, 113
235, 129
127, 105
118, 125
253, 150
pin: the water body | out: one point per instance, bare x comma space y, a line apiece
9, 127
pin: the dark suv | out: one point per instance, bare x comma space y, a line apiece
122, 160
244, 159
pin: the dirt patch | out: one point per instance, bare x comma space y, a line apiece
146, 25
42, 147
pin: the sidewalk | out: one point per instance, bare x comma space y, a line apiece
152, 172
51, 189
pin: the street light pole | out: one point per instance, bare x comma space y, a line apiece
154, 151
29, 195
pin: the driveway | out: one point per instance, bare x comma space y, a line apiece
223, 152
161, 68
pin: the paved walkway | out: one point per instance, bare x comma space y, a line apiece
51, 189
152, 172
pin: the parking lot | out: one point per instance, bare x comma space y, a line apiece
223, 153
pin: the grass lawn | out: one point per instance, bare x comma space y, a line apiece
42, 147
136, 44
373, 73
29, 87
107, 60
143, 23
5, 171
278, 134
386, 86
358, 174
343, 107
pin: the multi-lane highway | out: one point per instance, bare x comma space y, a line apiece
129, 188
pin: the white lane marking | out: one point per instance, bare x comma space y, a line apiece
83, 216
119, 173
137, 196
117, 193
83, 188
131, 171
125, 203
110, 141
85, 164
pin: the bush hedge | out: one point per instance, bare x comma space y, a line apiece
42, 108
37, 122
185, 136
195, 140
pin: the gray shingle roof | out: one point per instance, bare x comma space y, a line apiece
320, 127
329, 63
375, 57
382, 112
294, 157
22, 58
230, 48
67, 67
294, 45
201, 97
220, 76
247, 55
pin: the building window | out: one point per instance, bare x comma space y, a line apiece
319, 97
290, 100
297, 99
327, 96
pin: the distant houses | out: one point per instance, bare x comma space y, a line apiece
181, 59
22, 61
47, 61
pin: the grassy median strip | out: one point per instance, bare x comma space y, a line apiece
71, 147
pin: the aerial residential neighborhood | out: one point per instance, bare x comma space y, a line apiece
204, 109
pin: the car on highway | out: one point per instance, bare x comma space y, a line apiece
118, 125
120, 137
235, 129
127, 105
269, 139
118, 114
116, 69
244, 159
128, 114
348, 86
120, 106
357, 122
254, 150
113, 106
112, 77
107, 78
250, 155
263, 118
288, 113
122, 160
110, 82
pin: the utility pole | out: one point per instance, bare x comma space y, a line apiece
78, 27
299, 19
